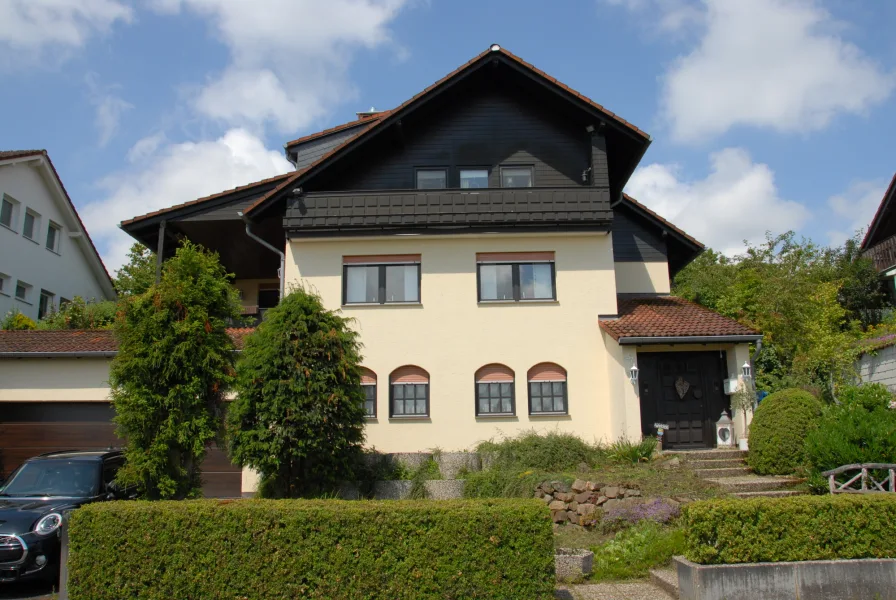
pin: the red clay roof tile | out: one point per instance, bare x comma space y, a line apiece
78, 340
669, 316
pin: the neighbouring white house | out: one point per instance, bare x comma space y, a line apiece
46, 255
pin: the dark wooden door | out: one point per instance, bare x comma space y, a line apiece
684, 391
31, 428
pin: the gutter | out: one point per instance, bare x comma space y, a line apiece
282, 254
689, 339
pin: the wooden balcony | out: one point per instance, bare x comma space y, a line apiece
883, 254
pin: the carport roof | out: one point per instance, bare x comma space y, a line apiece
74, 342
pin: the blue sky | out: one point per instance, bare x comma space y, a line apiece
765, 114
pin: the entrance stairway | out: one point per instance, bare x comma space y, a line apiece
729, 470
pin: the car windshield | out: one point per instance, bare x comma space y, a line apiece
77, 478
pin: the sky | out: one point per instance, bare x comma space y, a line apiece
765, 115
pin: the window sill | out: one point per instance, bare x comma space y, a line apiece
30, 240
23, 301
545, 414
505, 302
410, 418
497, 416
53, 251
383, 305
4, 294
9, 228
371, 418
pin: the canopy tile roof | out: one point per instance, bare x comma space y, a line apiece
77, 341
670, 317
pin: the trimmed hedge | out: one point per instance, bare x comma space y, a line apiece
279, 549
790, 529
779, 429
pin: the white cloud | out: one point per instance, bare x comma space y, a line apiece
174, 174
852, 210
109, 107
146, 147
775, 64
737, 201
288, 57
29, 26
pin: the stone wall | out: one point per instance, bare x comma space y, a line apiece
583, 502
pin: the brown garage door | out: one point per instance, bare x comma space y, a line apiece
31, 428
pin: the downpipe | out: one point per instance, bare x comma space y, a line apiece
282, 270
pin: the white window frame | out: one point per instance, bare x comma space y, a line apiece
5, 283
36, 229
51, 303
14, 217
28, 289
58, 239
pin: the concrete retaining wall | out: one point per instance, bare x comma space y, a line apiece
808, 580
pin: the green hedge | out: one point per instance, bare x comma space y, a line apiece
779, 429
279, 549
790, 529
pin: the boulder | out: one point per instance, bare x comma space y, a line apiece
572, 517
573, 505
589, 487
610, 491
547, 499
633, 494
547, 487
583, 497
601, 500
586, 510
564, 496
560, 486
578, 486
558, 516
557, 505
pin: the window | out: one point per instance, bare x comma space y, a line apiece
5, 284
381, 279
494, 391
23, 291
473, 178
516, 276
54, 231
547, 390
409, 392
7, 212
368, 384
110, 470
45, 305
516, 177
32, 220
432, 179
63, 302
268, 296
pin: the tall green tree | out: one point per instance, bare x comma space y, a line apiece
299, 414
139, 274
175, 362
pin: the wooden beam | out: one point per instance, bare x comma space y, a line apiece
160, 251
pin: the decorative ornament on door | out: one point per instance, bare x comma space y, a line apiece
682, 387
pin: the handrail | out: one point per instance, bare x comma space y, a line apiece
863, 476
845, 468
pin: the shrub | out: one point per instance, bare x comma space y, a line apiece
626, 451
284, 549
862, 429
503, 483
790, 529
299, 414
80, 314
633, 552
16, 321
553, 451
778, 431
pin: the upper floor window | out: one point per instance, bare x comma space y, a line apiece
54, 232
547, 389
23, 291
45, 305
517, 177
7, 212
409, 392
368, 384
432, 179
494, 390
5, 284
473, 178
381, 279
516, 276
32, 221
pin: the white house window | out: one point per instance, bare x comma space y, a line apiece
516, 177
45, 306
409, 392
23, 291
54, 232
432, 179
8, 212
547, 390
32, 220
473, 178
5, 284
381, 279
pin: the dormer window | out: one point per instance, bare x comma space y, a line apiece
432, 179
473, 178
516, 177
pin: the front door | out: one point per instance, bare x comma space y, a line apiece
684, 391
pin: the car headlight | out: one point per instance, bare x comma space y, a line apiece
48, 524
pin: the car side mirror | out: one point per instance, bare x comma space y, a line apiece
114, 490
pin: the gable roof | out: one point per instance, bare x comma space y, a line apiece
669, 319
682, 247
365, 122
885, 212
494, 52
76, 342
92, 255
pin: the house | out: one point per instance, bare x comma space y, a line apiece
501, 281
46, 255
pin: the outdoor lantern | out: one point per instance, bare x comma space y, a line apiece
725, 431
633, 374
747, 370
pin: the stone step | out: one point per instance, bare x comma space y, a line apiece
666, 580
771, 494
755, 483
726, 472
688, 455
717, 463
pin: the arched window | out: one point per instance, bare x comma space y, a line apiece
547, 390
494, 390
409, 392
368, 384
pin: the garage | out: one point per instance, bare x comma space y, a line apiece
31, 428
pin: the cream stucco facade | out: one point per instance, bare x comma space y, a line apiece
54, 380
642, 277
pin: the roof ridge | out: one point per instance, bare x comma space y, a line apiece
890, 191
664, 220
337, 128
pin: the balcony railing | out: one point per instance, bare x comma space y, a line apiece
883, 254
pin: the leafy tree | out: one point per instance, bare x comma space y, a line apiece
79, 314
16, 321
174, 365
298, 418
139, 274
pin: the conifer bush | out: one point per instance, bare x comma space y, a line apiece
299, 414
779, 429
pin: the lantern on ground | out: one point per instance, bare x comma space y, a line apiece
725, 431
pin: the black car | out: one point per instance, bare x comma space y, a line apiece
35, 500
